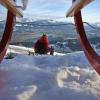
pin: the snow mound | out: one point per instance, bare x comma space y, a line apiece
59, 77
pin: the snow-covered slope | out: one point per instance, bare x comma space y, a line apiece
59, 77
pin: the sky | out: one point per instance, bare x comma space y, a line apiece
56, 9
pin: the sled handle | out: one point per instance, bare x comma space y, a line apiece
10, 22
77, 6
11, 6
92, 56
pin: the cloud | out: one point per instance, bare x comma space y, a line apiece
48, 7
57, 9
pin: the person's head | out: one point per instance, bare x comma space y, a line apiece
44, 35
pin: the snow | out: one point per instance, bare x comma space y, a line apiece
45, 77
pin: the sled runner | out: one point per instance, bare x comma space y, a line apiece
91, 55
10, 21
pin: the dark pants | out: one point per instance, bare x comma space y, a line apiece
41, 49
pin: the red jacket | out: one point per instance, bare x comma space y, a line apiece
42, 45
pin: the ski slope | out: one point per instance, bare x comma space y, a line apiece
58, 77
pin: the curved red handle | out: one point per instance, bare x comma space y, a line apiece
91, 55
7, 34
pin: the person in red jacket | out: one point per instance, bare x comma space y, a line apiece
42, 45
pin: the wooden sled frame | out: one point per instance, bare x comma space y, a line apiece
12, 7
91, 55
75, 11
10, 21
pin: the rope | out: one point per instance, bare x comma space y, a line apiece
92, 26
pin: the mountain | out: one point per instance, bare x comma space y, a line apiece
27, 31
